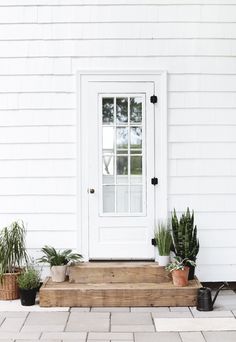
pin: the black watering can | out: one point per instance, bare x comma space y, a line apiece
204, 298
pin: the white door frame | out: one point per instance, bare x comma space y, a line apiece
161, 206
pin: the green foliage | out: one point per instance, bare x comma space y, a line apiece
29, 279
163, 238
179, 264
58, 258
13, 253
186, 243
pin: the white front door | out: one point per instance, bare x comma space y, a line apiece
118, 134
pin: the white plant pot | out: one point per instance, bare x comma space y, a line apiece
163, 260
58, 273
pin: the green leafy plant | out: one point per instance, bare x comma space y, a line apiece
58, 258
186, 243
179, 264
163, 239
29, 279
13, 254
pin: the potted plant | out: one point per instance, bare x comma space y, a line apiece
13, 256
179, 270
58, 261
163, 241
29, 282
186, 243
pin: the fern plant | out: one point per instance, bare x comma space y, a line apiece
58, 258
163, 239
186, 243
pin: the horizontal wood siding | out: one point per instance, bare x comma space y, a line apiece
43, 44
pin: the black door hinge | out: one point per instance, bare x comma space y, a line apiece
153, 99
154, 181
153, 242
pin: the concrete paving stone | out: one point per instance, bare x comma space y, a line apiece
14, 314
172, 314
37, 340
15, 306
179, 308
19, 336
195, 324
157, 337
44, 327
12, 324
132, 328
78, 336
111, 309
226, 300
131, 318
150, 309
225, 293
192, 337
206, 314
102, 340
109, 336
219, 336
47, 318
88, 321
80, 309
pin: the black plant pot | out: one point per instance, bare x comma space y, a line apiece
191, 274
27, 297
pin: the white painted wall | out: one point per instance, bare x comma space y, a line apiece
42, 45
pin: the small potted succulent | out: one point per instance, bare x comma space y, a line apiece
163, 242
29, 282
58, 261
179, 270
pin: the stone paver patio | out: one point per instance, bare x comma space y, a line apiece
176, 324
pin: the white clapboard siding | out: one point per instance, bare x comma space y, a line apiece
202, 133
202, 167
46, 83
202, 150
38, 168
38, 204
202, 116
204, 202
34, 134
37, 117
59, 239
44, 43
83, 48
35, 66
46, 151
39, 186
209, 83
172, 64
197, 185
113, 30
42, 221
143, 13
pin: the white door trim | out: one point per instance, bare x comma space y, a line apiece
161, 206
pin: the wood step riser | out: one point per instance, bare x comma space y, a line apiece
113, 274
121, 298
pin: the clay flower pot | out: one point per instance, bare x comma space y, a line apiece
180, 277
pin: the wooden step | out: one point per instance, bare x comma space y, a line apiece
117, 294
118, 272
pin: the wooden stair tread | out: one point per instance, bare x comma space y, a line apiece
118, 264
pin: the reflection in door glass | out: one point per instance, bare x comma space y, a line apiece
123, 180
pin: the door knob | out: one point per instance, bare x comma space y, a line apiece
92, 191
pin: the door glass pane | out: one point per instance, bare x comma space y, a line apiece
122, 199
108, 110
122, 110
123, 154
122, 138
108, 199
136, 200
135, 109
136, 138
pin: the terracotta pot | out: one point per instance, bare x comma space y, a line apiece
180, 277
58, 273
163, 260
